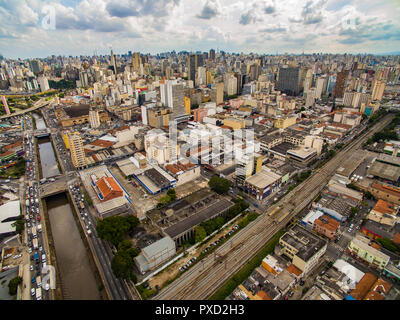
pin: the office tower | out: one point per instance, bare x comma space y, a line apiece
77, 152
212, 54
338, 89
3, 99
94, 118
43, 83
331, 84
172, 95
192, 67
217, 93
35, 66
377, 88
114, 65
136, 62
255, 71
289, 81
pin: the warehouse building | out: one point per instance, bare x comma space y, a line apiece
155, 254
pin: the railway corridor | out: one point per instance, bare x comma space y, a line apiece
203, 279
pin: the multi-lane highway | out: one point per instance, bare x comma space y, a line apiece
203, 279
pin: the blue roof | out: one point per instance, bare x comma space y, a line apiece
349, 297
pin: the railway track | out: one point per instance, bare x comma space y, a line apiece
203, 279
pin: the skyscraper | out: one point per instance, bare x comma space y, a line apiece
289, 81
136, 61
172, 95
338, 89
192, 67
114, 65
212, 54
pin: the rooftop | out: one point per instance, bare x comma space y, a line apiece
263, 178
362, 288
306, 243
202, 215
394, 191
385, 171
79, 110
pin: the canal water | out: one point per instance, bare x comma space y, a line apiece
77, 278
46, 151
40, 124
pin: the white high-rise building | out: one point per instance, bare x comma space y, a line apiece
43, 83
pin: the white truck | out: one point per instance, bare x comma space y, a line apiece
39, 228
39, 294
35, 244
34, 234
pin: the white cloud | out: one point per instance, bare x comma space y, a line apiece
160, 25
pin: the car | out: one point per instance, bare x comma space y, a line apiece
31, 268
5, 268
46, 287
291, 293
33, 292
17, 256
30, 250
40, 248
8, 255
302, 282
38, 218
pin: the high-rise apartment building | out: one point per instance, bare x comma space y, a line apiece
230, 84
320, 86
77, 152
377, 88
289, 81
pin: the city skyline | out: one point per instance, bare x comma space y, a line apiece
44, 28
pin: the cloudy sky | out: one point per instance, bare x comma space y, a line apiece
38, 28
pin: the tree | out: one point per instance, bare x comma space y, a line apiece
172, 194
219, 185
13, 285
219, 221
199, 233
113, 229
252, 216
122, 266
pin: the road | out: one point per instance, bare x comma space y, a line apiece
37, 105
203, 279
